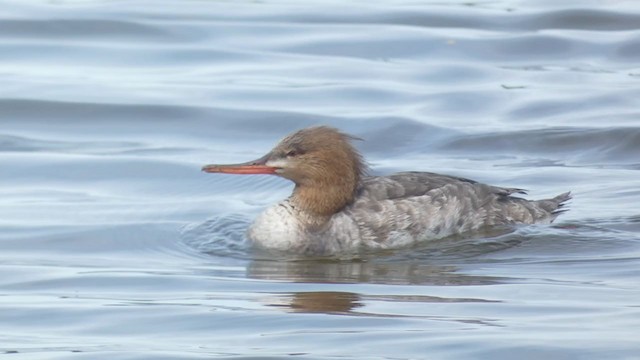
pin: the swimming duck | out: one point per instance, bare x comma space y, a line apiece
337, 208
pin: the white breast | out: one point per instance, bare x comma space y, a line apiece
283, 228
277, 228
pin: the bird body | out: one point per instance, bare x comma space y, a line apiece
335, 208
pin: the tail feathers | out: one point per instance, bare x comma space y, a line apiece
555, 205
562, 198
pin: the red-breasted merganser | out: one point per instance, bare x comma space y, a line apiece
336, 208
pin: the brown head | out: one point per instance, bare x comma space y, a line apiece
320, 160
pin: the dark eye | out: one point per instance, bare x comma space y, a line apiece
292, 153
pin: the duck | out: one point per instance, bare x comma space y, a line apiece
337, 208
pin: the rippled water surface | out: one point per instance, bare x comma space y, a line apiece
113, 244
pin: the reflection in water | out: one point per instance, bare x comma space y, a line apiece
348, 303
330, 302
375, 272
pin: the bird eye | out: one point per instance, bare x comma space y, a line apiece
292, 153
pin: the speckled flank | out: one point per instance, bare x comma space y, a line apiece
399, 210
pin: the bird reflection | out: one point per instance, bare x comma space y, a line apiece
372, 272
329, 302
348, 303
375, 272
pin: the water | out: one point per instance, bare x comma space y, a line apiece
113, 245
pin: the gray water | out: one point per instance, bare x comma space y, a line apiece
113, 244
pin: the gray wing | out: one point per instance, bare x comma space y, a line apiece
421, 204
409, 184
